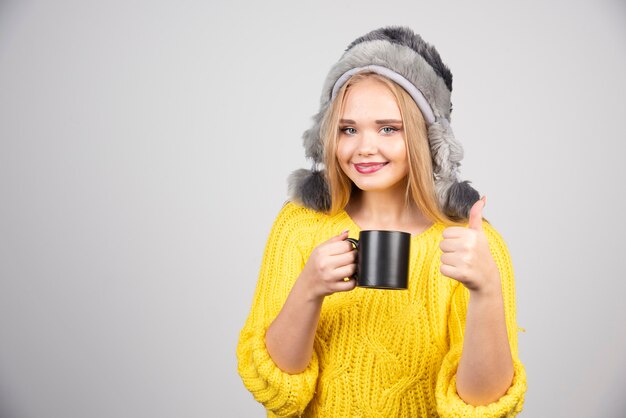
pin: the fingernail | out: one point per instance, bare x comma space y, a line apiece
345, 231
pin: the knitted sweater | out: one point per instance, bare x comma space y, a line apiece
377, 353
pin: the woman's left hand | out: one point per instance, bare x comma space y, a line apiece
466, 256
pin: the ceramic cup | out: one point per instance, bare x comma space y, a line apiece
382, 259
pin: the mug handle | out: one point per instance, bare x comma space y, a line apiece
355, 244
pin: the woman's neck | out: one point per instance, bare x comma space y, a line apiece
386, 210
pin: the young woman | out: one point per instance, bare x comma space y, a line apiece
315, 344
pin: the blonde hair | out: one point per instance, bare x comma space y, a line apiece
420, 181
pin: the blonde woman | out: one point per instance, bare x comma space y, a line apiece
384, 158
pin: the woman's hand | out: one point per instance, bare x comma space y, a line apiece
485, 370
289, 339
466, 256
328, 265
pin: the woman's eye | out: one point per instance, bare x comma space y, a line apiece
389, 129
349, 131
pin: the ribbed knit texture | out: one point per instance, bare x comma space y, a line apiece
378, 353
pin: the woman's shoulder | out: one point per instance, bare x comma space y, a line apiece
495, 238
298, 209
296, 212
295, 218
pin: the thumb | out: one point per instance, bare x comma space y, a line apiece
476, 215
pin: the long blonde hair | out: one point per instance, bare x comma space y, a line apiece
420, 181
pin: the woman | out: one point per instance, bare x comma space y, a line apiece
315, 344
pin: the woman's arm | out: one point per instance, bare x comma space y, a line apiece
281, 393
481, 375
485, 370
289, 339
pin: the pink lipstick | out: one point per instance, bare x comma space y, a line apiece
368, 168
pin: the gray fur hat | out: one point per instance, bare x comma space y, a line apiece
402, 56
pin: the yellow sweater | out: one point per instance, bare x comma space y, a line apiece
377, 353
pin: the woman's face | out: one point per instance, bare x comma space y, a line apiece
371, 148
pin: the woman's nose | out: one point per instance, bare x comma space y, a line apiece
367, 144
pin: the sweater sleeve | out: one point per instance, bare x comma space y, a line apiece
281, 393
449, 404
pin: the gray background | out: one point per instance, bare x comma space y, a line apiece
144, 147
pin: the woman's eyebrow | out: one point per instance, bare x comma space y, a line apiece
378, 121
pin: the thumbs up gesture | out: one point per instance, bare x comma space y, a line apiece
466, 256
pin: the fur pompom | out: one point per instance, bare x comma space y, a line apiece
309, 189
461, 198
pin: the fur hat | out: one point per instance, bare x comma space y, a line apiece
402, 56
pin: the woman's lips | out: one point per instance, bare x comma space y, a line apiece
368, 168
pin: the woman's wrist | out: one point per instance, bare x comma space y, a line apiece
491, 287
306, 289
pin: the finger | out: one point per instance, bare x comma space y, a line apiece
448, 271
337, 261
451, 245
340, 237
342, 286
454, 232
476, 215
340, 247
345, 271
451, 260
344, 259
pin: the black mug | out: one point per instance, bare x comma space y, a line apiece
382, 259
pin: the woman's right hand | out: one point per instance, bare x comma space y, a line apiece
289, 339
329, 264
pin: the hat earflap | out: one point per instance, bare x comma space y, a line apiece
456, 198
